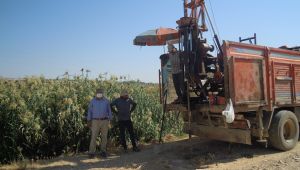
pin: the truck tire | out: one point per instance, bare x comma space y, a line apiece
284, 130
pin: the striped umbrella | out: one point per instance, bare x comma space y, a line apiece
156, 37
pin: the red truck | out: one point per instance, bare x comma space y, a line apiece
264, 86
245, 93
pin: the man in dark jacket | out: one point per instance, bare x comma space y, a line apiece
125, 106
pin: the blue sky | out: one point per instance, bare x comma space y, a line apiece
50, 37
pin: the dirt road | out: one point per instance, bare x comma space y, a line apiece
184, 154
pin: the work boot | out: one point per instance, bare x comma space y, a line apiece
91, 155
103, 154
136, 149
125, 150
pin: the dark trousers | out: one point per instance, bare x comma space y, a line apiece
123, 125
178, 81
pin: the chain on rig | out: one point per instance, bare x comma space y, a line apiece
203, 72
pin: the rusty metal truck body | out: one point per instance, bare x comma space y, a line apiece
233, 92
264, 86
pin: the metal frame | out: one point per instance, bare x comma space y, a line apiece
269, 72
249, 39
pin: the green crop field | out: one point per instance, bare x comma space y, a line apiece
41, 118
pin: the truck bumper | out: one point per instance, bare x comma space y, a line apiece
219, 133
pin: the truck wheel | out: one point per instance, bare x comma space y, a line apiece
284, 130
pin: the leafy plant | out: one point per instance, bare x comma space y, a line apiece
42, 118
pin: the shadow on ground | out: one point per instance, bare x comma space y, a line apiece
184, 154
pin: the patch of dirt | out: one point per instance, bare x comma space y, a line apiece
180, 154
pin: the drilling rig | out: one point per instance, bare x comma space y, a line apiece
243, 93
